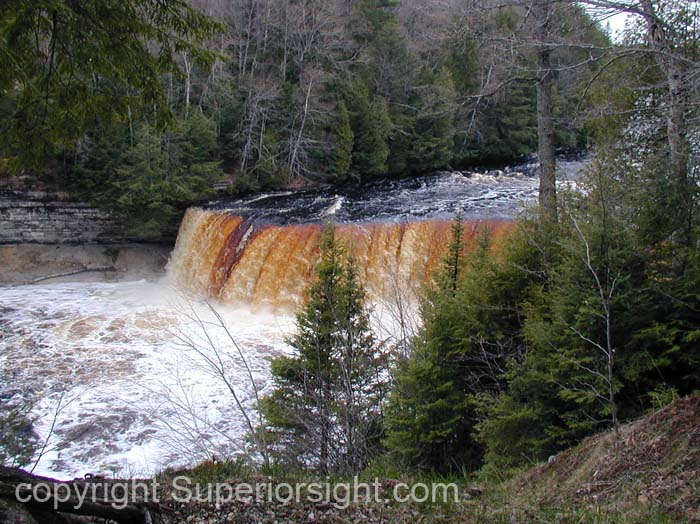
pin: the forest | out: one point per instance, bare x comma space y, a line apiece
276, 94
585, 319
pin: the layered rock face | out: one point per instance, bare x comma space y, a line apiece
46, 235
49, 218
33, 263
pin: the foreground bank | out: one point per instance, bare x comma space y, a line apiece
647, 473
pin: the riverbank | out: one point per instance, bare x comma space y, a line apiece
34, 263
648, 472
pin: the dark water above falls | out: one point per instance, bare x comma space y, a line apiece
495, 194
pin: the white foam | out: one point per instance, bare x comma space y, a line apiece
102, 360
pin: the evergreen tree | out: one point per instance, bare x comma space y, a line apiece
196, 150
469, 332
432, 138
325, 409
471, 329
144, 184
427, 424
371, 126
101, 155
507, 130
150, 181
67, 64
578, 375
341, 156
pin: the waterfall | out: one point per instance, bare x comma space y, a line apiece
235, 260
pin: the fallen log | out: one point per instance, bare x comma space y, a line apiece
105, 269
39, 497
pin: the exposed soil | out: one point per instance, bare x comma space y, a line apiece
653, 462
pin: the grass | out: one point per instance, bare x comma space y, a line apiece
648, 474
501, 502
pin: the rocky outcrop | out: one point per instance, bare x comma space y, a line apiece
32, 263
47, 235
50, 217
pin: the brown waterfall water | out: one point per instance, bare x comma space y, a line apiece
233, 260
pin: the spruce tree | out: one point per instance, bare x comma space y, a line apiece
80, 61
324, 412
148, 183
508, 128
196, 150
341, 157
143, 184
371, 126
432, 137
428, 413
471, 329
580, 336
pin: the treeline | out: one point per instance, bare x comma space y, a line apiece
281, 93
583, 319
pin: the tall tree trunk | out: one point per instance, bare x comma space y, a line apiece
283, 66
294, 160
249, 37
131, 125
188, 82
610, 365
674, 70
542, 12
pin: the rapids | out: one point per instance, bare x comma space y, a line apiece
111, 370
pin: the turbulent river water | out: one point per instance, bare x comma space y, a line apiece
117, 374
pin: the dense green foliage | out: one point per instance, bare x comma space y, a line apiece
571, 328
65, 64
428, 413
151, 176
19, 443
583, 322
470, 332
325, 409
292, 91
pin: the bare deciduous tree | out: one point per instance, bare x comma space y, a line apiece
209, 346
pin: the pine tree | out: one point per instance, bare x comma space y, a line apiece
471, 329
432, 137
197, 149
81, 60
153, 180
508, 128
428, 423
371, 126
341, 157
325, 409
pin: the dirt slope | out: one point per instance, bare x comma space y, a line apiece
653, 464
